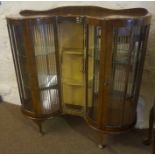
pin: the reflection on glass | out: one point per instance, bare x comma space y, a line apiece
125, 52
44, 47
21, 66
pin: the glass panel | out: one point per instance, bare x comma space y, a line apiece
125, 51
71, 39
21, 67
93, 69
43, 40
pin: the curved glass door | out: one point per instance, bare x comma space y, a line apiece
126, 57
45, 59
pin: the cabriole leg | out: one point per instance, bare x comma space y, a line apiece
39, 123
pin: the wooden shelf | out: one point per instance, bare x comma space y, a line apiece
73, 53
73, 83
44, 54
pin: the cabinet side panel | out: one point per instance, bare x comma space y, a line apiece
21, 64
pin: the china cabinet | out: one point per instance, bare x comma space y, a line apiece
80, 60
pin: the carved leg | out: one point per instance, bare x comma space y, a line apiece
150, 133
102, 139
39, 123
40, 127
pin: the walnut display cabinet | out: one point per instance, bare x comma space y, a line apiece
80, 60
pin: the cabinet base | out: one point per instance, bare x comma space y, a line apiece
109, 130
102, 134
39, 118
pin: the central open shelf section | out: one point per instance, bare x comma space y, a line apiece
71, 47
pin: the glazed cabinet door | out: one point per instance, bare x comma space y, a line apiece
125, 47
115, 58
44, 38
36, 60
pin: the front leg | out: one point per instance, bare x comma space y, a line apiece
150, 133
39, 123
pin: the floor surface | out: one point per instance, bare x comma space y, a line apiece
63, 135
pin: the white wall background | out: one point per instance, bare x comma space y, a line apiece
8, 85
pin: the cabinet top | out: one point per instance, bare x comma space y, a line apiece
84, 11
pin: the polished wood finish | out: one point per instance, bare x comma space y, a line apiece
113, 42
86, 11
